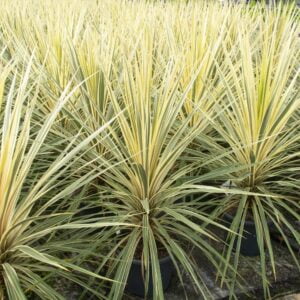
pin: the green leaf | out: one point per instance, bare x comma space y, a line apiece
12, 283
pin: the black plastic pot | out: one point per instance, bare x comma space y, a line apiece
135, 282
249, 245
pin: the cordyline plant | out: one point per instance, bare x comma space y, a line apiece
35, 206
259, 123
147, 188
199, 40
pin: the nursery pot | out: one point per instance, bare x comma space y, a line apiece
135, 281
249, 245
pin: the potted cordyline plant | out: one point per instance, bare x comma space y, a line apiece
147, 140
35, 196
259, 124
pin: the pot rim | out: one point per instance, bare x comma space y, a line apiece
229, 216
161, 260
